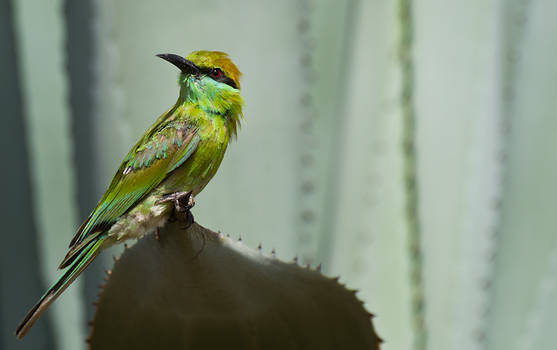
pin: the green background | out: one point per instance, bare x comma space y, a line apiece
333, 91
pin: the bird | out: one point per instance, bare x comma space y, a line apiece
176, 156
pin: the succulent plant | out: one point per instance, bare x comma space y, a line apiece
192, 288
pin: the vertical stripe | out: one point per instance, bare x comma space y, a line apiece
333, 33
408, 147
307, 222
523, 300
20, 280
41, 37
371, 234
81, 51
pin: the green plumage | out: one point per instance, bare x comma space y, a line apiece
180, 152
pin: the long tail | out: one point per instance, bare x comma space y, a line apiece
87, 254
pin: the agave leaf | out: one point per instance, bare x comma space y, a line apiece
197, 289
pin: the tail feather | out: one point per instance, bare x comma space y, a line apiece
75, 251
85, 257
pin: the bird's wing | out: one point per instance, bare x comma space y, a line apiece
164, 147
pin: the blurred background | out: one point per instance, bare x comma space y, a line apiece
407, 146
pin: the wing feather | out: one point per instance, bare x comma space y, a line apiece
165, 147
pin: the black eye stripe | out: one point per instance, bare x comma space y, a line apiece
223, 78
228, 81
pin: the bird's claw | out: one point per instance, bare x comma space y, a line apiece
183, 202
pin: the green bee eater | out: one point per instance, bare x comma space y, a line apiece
180, 152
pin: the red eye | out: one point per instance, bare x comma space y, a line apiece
216, 73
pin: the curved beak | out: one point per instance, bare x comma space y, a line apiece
184, 65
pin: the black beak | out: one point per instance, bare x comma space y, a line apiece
184, 65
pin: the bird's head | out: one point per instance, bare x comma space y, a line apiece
210, 80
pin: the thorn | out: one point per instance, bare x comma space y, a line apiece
259, 247
336, 278
239, 238
227, 235
108, 272
295, 259
318, 268
114, 258
157, 234
125, 246
370, 315
273, 252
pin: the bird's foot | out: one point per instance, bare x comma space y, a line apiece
183, 202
